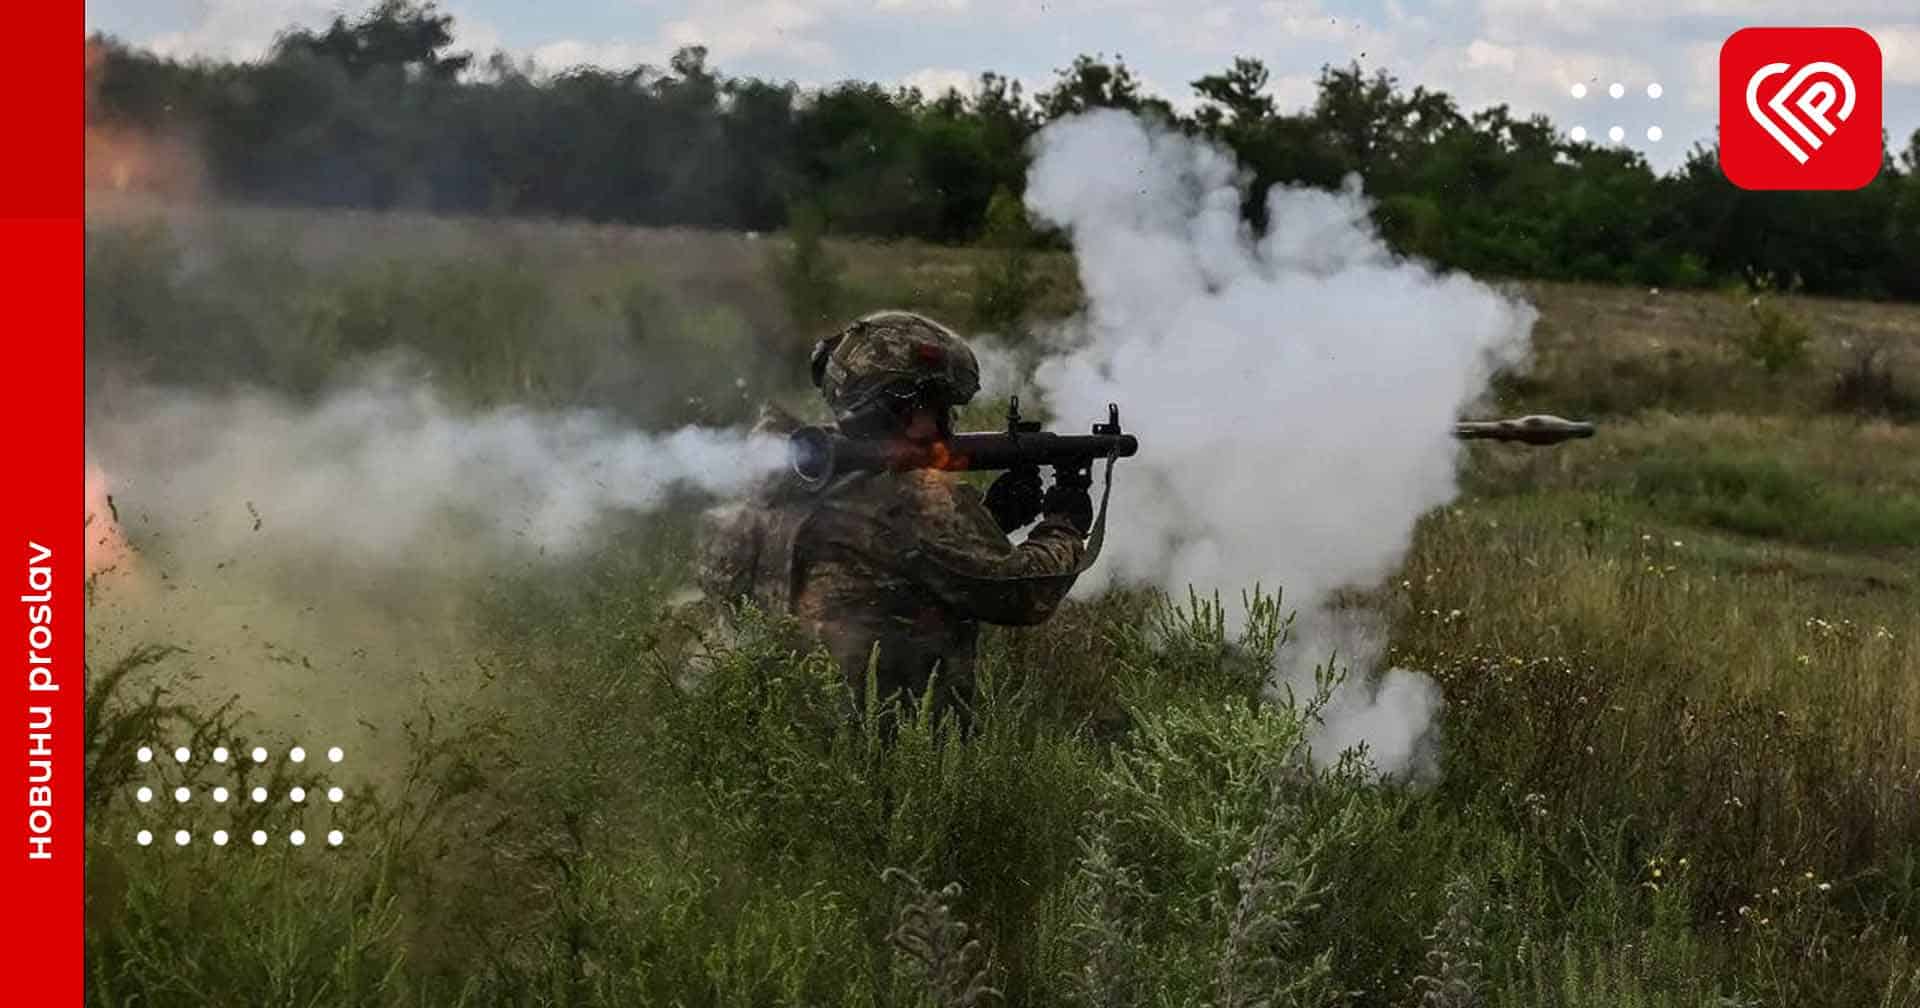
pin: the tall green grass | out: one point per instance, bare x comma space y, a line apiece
1679, 761
653, 817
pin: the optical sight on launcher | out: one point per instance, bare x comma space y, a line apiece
818, 454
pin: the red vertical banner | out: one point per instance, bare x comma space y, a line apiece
42, 564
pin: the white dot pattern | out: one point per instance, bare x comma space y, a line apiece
220, 794
1616, 90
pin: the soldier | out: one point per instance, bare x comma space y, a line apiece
898, 569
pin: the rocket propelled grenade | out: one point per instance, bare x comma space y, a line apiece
1538, 429
819, 453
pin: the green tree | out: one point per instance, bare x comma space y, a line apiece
1237, 97
1091, 82
397, 34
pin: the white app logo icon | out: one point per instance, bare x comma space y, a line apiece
1814, 102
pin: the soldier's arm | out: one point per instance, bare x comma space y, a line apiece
959, 553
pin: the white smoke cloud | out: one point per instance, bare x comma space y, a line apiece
384, 472
1002, 371
1293, 391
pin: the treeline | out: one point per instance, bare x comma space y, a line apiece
379, 112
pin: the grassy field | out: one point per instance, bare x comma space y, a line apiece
1680, 758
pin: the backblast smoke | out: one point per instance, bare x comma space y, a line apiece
316, 560
383, 472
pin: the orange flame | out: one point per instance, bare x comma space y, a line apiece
122, 159
107, 547
942, 456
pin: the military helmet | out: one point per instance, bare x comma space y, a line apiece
894, 355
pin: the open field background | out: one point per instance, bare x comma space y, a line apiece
1679, 761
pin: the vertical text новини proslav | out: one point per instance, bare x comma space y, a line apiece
40, 679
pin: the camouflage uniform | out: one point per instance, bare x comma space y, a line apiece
894, 568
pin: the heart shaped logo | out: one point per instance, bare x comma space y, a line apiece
1813, 92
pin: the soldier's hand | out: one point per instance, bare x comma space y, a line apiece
1069, 499
1014, 498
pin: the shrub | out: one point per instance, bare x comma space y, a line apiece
810, 276
1770, 336
1868, 385
1005, 282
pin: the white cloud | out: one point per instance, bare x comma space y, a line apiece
1527, 21
1293, 92
1405, 19
566, 54
1702, 74
1240, 29
1481, 53
238, 29
1178, 94
1485, 72
921, 6
473, 34
935, 81
776, 27
1899, 52
1213, 29
1539, 20
1305, 20
1782, 11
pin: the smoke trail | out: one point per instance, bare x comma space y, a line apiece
1294, 390
380, 472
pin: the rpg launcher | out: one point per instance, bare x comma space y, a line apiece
818, 453
1538, 429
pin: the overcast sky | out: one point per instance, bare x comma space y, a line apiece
1527, 53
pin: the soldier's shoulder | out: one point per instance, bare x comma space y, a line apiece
872, 493
936, 491
940, 506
